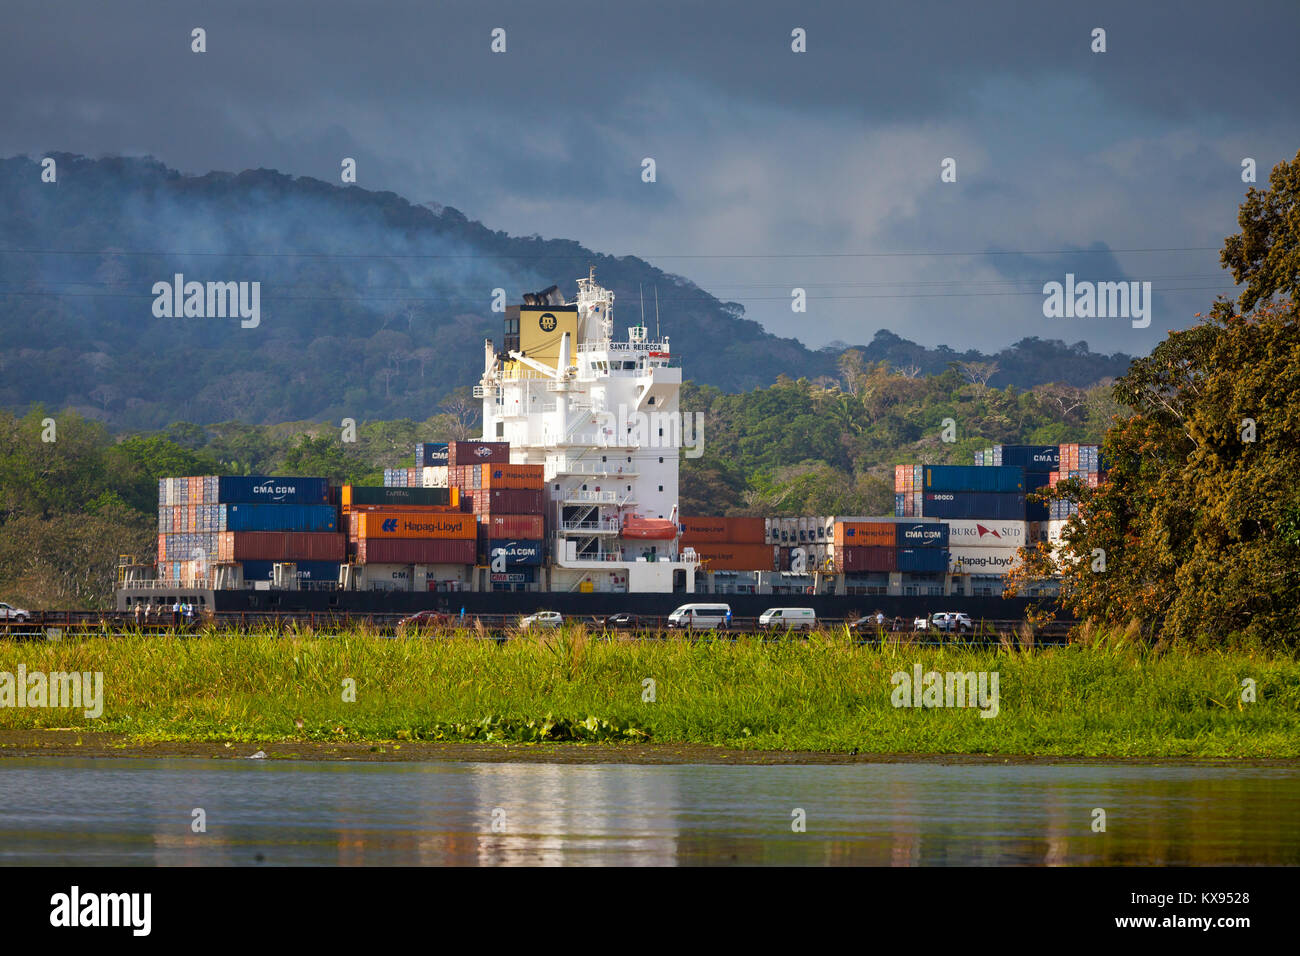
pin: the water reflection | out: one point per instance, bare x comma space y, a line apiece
140, 811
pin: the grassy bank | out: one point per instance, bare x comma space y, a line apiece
824, 694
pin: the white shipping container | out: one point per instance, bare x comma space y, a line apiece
433, 476
982, 560
986, 533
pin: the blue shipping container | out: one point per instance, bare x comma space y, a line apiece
307, 570
972, 504
923, 559
974, 478
281, 518
259, 488
430, 454
921, 535
516, 552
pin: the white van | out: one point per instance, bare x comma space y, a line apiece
788, 617
700, 616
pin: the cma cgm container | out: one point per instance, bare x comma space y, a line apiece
267, 517
478, 453
932, 534
968, 504
416, 551
528, 527
851, 560
307, 570
514, 551
402, 524
280, 546
923, 560
430, 454
370, 495
973, 478
282, 490
877, 534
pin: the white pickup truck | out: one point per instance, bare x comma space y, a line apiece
10, 613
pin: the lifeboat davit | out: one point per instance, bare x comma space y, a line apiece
649, 529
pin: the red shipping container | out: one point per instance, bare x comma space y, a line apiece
508, 501
280, 546
854, 560
510, 476
477, 453
417, 551
735, 557
526, 527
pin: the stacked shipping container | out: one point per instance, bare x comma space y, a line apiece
729, 544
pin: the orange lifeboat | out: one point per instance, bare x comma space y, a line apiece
649, 529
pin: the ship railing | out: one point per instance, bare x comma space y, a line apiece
595, 470
623, 347
592, 497
590, 526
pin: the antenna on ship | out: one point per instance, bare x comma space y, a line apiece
657, 339
641, 290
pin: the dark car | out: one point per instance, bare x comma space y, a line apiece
425, 619
620, 622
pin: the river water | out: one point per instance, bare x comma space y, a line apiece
271, 812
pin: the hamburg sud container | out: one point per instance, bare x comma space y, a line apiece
932, 534
514, 551
923, 560
987, 533
280, 546
307, 570
853, 560
969, 504
430, 454
416, 550
369, 495
478, 453
403, 524
973, 478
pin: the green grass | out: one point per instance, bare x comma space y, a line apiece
823, 694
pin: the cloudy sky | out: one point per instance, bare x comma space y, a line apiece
775, 169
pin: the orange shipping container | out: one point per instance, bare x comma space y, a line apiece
864, 534
399, 524
730, 530
528, 477
736, 557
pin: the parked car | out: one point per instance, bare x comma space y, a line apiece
949, 621
10, 613
424, 619
618, 622
700, 616
873, 622
542, 619
794, 618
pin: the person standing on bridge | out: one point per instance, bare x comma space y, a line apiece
139, 613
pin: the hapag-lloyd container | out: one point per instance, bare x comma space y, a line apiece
923, 560
967, 504
877, 534
528, 477
922, 534
477, 453
724, 556
982, 560
527, 527
280, 546
402, 524
514, 551
974, 478
986, 533
416, 550
711, 529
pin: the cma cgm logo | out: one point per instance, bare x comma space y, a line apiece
389, 525
547, 322
274, 491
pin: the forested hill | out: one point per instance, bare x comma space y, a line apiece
371, 306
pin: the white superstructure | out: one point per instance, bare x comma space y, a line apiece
601, 415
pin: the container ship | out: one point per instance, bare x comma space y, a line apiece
569, 502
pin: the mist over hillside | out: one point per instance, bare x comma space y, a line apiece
371, 306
